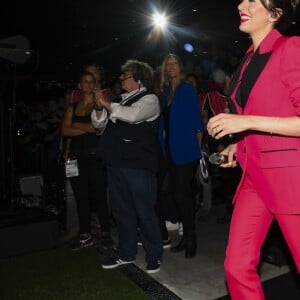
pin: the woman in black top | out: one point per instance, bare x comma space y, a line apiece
90, 184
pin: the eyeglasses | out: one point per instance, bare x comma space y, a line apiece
126, 78
126, 75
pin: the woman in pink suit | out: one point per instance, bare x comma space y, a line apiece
265, 94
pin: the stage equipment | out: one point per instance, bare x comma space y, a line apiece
16, 50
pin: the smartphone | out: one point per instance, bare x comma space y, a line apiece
218, 159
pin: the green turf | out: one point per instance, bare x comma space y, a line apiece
62, 274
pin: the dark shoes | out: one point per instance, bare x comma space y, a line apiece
153, 267
188, 244
166, 244
82, 242
114, 262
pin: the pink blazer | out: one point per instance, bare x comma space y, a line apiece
273, 89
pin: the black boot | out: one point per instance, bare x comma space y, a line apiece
191, 247
180, 247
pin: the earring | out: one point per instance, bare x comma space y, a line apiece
274, 14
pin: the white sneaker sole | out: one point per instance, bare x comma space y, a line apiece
167, 246
117, 265
153, 271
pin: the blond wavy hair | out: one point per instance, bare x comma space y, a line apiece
164, 78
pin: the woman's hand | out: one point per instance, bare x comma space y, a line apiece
224, 124
230, 152
101, 100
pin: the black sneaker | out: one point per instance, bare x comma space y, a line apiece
153, 267
114, 262
167, 244
81, 243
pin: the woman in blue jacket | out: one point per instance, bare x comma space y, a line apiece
180, 135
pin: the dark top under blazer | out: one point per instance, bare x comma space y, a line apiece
271, 87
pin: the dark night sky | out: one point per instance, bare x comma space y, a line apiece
68, 33
64, 34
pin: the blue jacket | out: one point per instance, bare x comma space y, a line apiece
185, 121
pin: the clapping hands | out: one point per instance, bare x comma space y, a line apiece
102, 99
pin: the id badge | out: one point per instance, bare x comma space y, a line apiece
71, 168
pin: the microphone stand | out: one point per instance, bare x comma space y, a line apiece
3, 185
12, 137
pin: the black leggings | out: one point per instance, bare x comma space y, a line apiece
91, 187
182, 183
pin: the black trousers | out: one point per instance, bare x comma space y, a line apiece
165, 206
182, 184
91, 187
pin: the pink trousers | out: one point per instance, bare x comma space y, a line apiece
250, 223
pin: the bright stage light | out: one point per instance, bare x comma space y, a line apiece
159, 20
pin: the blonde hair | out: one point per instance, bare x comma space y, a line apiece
164, 78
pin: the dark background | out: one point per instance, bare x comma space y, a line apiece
66, 34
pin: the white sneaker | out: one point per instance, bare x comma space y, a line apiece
172, 226
180, 229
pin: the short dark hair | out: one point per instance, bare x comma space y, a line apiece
285, 10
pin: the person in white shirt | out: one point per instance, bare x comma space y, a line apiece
129, 150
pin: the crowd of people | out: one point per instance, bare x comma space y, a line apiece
38, 133
131, 152
73, 139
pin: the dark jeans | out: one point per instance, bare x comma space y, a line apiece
132, 197
90, 187
182, 182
